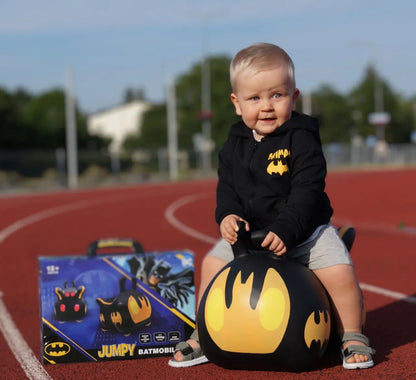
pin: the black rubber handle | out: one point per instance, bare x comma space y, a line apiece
250, 242
241, 246
257, 238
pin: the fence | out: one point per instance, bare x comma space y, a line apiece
361, 155
40, 169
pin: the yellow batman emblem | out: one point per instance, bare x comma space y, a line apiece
57, 349
279, 167
316, 331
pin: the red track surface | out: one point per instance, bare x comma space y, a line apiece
64, 223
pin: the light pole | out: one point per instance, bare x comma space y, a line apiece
172, 131
205, 114
71, 133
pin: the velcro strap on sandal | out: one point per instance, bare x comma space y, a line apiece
187, 350
348, 336
183, 346
357, 349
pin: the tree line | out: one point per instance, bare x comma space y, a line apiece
30, 121
341, 116
33, 122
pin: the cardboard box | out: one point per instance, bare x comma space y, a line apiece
115, 306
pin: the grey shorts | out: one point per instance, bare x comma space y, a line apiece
326, 250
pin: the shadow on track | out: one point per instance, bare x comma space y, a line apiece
390, 327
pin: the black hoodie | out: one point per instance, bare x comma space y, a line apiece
277, 184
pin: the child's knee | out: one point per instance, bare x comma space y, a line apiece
338, 275
212, 263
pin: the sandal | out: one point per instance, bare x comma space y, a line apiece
356, 349
190, 356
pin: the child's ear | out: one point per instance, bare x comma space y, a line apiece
234, 99
295, 97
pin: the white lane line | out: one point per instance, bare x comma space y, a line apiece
17, 344
37, 217
48, 213
170, 217
378, 227
388, 293
22, 352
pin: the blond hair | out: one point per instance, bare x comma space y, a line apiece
258, 57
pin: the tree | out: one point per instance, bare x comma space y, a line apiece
14, 132
134, 94
45, 115
405, 117
223, 109
153, 134
340, 115
38, 122
363, 101
188, 93
334, 114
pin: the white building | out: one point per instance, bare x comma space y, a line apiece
118, 122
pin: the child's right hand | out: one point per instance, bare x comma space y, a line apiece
229, 227
274, 244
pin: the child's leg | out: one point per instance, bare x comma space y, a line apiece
342, 286
211, 265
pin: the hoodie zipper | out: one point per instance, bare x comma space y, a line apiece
252, 177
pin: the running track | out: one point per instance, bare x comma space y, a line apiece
180, 215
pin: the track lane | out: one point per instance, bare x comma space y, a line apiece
140, 212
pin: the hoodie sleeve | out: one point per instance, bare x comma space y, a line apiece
307, 205
227, 199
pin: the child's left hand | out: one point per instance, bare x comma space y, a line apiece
274, 244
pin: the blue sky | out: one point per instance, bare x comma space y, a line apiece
112, 45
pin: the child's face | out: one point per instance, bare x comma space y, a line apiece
264, 99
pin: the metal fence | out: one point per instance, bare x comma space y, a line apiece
361, 155
47, 169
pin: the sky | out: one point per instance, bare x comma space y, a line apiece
109, 46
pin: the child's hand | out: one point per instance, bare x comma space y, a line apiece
229, 227
274, 244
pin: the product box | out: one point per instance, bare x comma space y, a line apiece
100, 307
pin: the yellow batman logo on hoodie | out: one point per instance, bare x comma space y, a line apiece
277, 165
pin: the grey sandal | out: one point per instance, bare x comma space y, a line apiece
356, 349
190, 356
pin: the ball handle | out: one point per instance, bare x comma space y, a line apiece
257, 238
241, 246
250, 242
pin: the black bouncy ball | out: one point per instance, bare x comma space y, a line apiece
263, 312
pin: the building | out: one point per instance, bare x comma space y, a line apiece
118, 122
